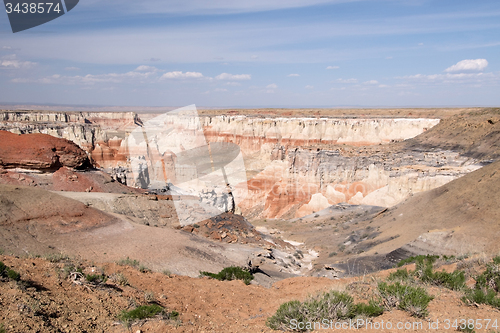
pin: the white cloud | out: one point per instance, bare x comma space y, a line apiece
11, 62
233, 84
455, 78
333, 67
272, 86
182, 75
220, 90
227, 76
309, 87
347, 80
293, 75
468, 65
140, 74
71, 69
371, 82
145, 68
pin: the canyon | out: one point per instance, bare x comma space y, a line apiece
305, 203
294, 166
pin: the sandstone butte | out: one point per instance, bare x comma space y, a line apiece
40, 151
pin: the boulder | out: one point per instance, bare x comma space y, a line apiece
40, 152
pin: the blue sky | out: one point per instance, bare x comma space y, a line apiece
282, 53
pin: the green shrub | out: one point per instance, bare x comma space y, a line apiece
286, 313
174, 315
231, 273
57, 257
143, 269
2, 328
13, 275
418, 258
487, 286
401, 275
490, 278
141, 312
96, 278
482, 296
453, 281
424, 271
372, 309
331, 305
120, 279
411, 299
128, 262
144, 312
6, 272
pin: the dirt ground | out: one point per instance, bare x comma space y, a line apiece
49, 302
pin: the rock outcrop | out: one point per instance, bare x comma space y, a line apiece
39, 151
98, 133
306, 180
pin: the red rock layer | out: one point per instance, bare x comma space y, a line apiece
39, 151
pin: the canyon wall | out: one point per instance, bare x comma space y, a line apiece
261, 136
307, 181
99, 134
296, 166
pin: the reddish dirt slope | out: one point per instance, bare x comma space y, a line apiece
51, 303
28, 214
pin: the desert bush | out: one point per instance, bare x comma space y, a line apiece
331, 305
57, 257
372, 309
120, 279
96, 279
482, 296
2, 328
401, 275
453, 281
414, 300
487, 286
6, 272
231, 273
13, 275
409, 260
424, 271
149, 296
143, 269
293, 310
128, 262
145, 312
141, 312
490, 278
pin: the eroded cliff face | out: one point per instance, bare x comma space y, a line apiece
100, 134
262, 136
295, 166
307, 181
